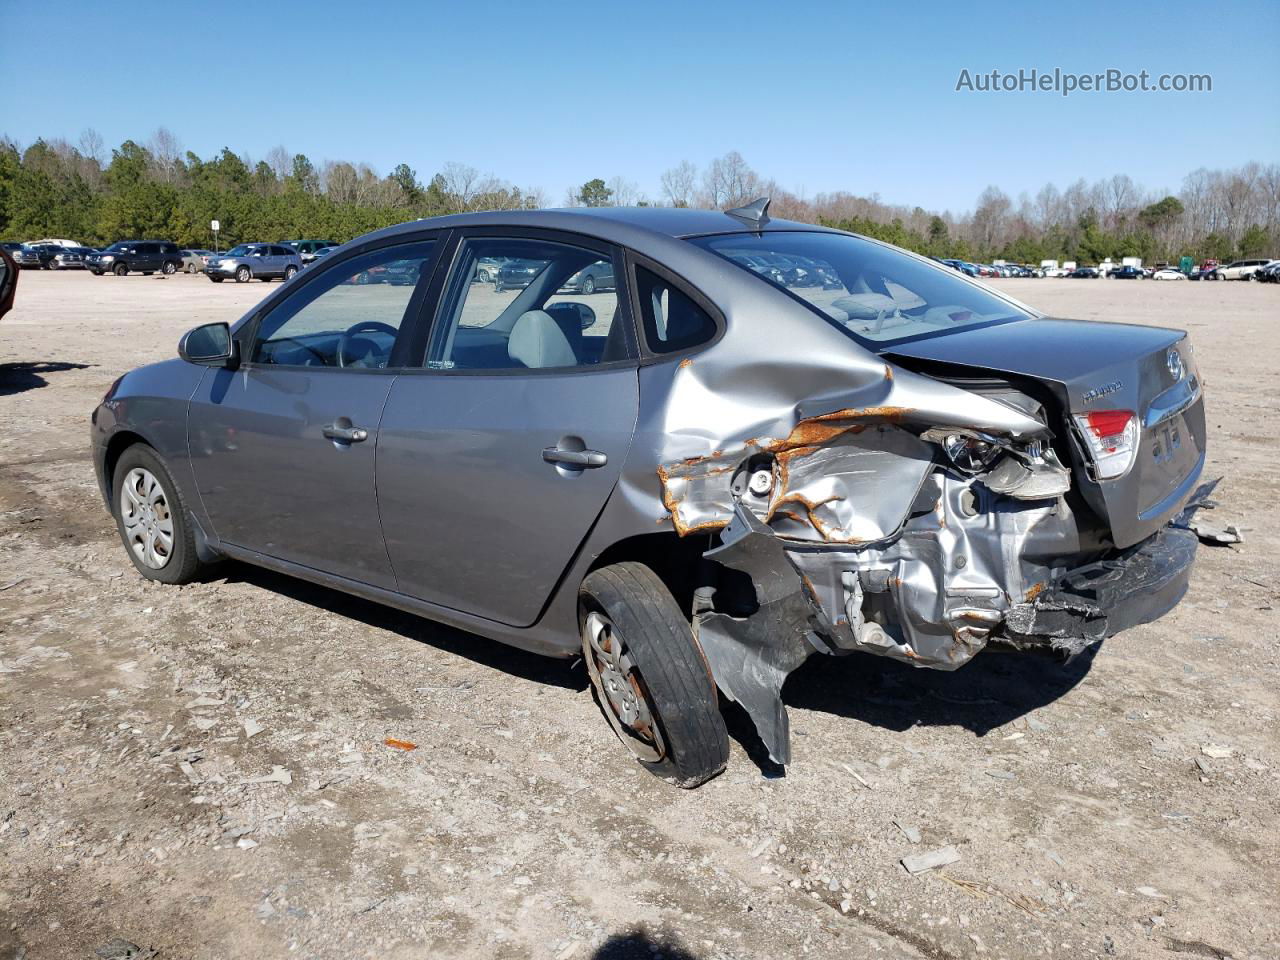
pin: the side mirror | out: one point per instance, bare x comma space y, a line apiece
571, 310
210, 345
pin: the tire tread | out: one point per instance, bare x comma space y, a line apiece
674, 668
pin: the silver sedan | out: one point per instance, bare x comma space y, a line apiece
695, 479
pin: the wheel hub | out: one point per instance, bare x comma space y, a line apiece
144, 513
622, 694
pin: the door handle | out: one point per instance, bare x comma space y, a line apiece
345, 434
582, 459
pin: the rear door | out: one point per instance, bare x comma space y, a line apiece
283, 448
497, 456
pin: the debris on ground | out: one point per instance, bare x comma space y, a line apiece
400, 744
117, 948
911, 833
1213, 534
923, 862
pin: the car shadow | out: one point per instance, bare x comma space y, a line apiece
551, 671
989, 692
638, 944
20, 377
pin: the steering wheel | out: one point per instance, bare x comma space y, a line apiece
364, 326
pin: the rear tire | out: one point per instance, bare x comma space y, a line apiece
169, 268
150, 505
649, 675
589, 286
289, 273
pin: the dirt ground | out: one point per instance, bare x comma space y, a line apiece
202, 771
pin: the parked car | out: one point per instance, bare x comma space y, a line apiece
34, 256
593, 277
135, 256
968, 269
70, 258
1238, 270
193, 261
487, 270
1168, 273
307, 248
1270, 273
516, 274
255, 261
1126, 273
322, 252
818, 490
1084, 273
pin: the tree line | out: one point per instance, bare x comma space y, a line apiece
53, 188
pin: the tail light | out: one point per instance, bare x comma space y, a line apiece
1111, 437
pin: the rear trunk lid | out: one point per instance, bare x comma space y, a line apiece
1094, 367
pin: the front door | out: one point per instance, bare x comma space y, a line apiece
495, 459
283, 449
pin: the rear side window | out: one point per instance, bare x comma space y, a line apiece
671, 319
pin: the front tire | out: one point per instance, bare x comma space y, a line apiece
152, 520
589, 286
649, 675
120, 270
243, 275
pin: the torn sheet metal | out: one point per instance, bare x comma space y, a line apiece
751, 656
698, 468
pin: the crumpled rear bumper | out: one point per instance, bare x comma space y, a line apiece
822, 601
1101, 599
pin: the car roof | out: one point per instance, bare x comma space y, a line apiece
625, 225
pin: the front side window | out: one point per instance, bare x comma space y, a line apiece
872, 292
517, 304
348, 316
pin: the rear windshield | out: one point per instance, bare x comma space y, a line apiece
874, 293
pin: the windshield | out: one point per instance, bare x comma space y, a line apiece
872, 292
240, 251
118, 246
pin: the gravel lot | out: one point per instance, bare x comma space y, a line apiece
202, 771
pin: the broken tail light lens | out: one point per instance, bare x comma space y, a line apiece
1111, 437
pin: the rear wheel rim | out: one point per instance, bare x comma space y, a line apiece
620, 688
147, 520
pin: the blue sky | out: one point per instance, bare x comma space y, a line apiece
820, 96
